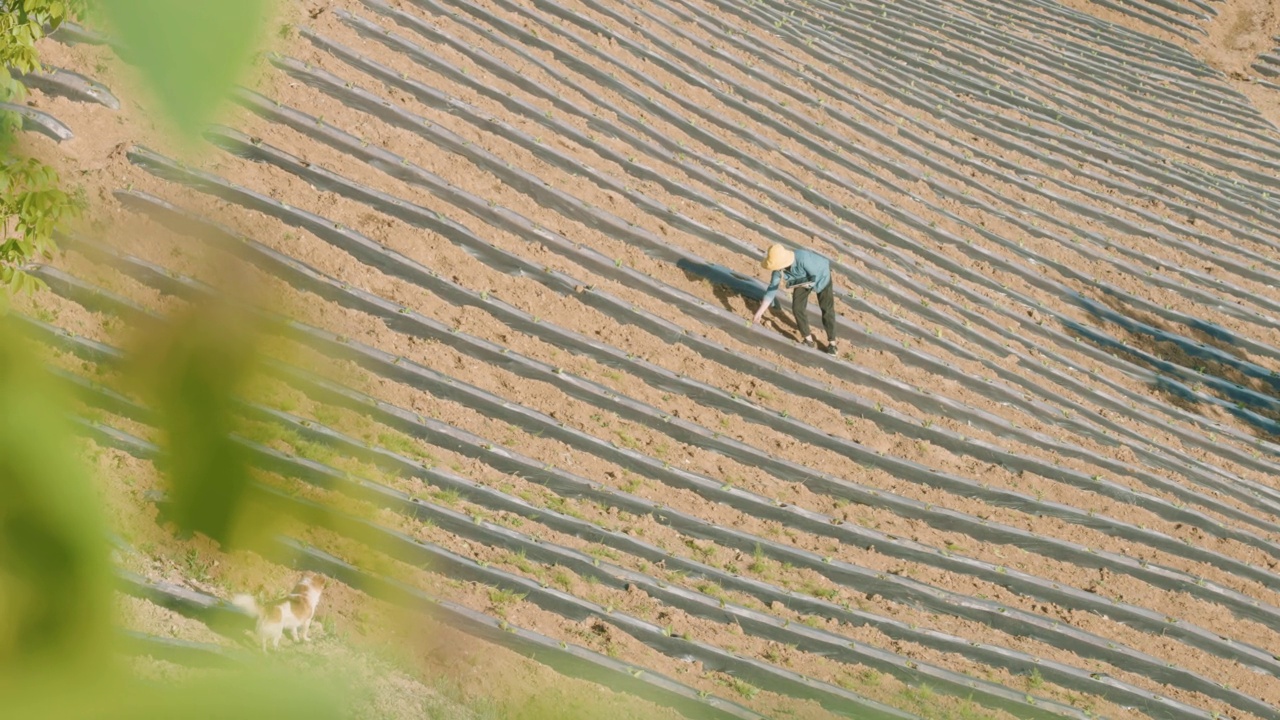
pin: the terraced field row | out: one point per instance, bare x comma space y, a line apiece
507, 244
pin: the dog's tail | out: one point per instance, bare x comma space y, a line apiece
246, 603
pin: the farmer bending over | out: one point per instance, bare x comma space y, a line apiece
805, 271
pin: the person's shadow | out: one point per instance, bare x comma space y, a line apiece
732, 288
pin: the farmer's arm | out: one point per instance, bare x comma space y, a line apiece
775, 281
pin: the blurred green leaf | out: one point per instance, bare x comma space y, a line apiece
191, 52
189, 370
256, 692
54, 584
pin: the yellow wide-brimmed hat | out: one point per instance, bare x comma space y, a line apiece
777, 258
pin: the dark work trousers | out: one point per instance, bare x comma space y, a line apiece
826, 301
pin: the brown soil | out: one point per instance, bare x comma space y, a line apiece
1243, 30
806, 581
96, 160
1232, 40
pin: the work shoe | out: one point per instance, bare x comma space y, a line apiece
832, 349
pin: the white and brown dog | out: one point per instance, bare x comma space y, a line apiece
292, 613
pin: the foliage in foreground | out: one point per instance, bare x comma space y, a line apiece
31, 194
59, 651
59, 656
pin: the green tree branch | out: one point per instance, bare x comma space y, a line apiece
31, 194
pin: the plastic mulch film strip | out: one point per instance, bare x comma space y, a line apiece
397, 265
1091, 34
969, 55
408, 321
1085, 61
963, 70
1157, 310
1092, 75
414, 324
1158, 20
750, 287
885, 74
692, 264
718, 275
508, 461
456, 567
1214, 332
218, 615
480, 352
186, 653
421, 378
694, 602
34, 120
799, 385
1162, 14
1268, 63
942, 105
1175, 467
698, 604
1159, 170
411, 323
567, 659
1082, 35
1148, 215
65, 83
971, 120
812, 77
73, 33
1167, 375
1088, 33
1266, 398
426, 4
1178, 466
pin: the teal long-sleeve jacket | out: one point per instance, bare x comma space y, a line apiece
807, 266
